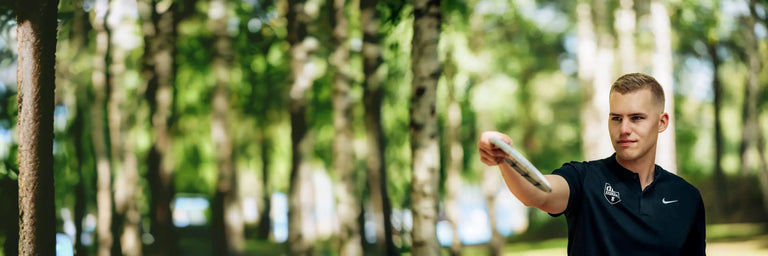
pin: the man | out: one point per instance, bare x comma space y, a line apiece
623, 204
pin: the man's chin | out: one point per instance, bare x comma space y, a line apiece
623, 155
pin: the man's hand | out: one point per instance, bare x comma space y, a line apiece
490, 154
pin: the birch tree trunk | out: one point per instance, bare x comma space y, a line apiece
666, 152
121, 122
595, 64
36, 35
373, 93
228, 219
100, 79
343, 156
624, 24
423, 126
300, 79
159, 70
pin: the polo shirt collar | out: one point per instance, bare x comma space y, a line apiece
626, 174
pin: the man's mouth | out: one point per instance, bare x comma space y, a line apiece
625, 143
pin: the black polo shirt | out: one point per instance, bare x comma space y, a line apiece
609, 214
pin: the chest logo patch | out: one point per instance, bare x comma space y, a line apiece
611, 195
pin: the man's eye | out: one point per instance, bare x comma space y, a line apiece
616, 118
636, 118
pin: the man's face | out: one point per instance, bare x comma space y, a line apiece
635, 123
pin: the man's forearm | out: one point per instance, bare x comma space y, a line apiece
553, 202
526, 192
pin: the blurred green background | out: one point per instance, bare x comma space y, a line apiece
188, 107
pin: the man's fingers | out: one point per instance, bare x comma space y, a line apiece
491, 161
496, 152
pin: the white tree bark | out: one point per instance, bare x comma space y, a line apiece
423, 126
595, 60
625, 28
104, 170
662, 70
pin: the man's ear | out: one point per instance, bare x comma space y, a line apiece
663, 122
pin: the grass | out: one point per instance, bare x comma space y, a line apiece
735, 231
739, 239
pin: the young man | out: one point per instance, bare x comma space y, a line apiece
624, 204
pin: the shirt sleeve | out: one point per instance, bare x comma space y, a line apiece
695, 243
574, 176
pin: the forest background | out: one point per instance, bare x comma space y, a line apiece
302, 127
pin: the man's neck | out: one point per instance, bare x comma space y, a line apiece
645, 167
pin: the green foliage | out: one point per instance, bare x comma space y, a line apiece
397, 91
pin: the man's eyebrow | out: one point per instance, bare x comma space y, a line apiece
630, 114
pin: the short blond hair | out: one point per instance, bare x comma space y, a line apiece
637, 81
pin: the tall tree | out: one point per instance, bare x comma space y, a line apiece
100, 79
36, 33
719, 175
666, 155
227, 220
127, 217
752, 137
159, 70
624, 23
267, 144
595, 58
455, 156
343, 157
300, 80
80, 143
373, 94
423, 126
75, 39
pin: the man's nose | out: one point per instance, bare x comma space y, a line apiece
625, 127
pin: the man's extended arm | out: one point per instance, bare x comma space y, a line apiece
553, 202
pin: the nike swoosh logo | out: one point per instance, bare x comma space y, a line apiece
664, 200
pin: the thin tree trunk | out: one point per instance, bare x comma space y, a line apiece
490, 184
127, 217
228, 220
454, 157
372, 99
78, 39
348, 208
78, 128
300, 80
719, 176
752, 134
762, 174
125, 199
159, 69
36, 33
624, 24
595, 60
666, 152
423, 126
265, 208
750, 116
100, 79
266, 142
